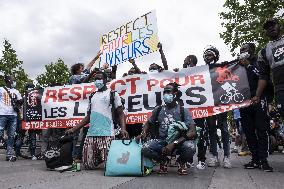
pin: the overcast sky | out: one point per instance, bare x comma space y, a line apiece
41, 31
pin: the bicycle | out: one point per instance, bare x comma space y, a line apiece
226, 98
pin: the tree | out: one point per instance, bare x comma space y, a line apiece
243, 20
10, 65
56, 74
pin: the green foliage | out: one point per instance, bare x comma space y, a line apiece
56, 74
243, 20
10, 65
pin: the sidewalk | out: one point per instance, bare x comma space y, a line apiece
33, 175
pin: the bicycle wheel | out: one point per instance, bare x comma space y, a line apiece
225, 99
238, 97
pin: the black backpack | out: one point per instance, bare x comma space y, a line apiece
59, 153
154, 129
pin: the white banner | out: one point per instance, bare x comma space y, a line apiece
204, 92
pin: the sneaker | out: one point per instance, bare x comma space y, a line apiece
214, 162
243, 153
265, 167
190, 165
252, 165
234, 150
227, 163
201, 165
182, 170
34, 158
63, 168
11, 158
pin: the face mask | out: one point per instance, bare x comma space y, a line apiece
13, 85
168, 98
99, 84
154, 71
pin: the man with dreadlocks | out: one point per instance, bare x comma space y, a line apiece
163, 142
211, 56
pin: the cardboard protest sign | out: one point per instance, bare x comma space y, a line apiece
205, 92
134, 39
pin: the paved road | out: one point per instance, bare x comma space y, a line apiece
33, 175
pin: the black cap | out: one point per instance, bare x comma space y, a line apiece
168, 90
269, 22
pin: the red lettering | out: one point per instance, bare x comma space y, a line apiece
164, 82
133, 84
186, 81
88, 90
104, 47
75, 92
50, 94
195, 78
61, 93
113, 87
151, 83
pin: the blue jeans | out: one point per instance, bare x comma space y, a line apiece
153, 150
8, 122
31, 139
212, 127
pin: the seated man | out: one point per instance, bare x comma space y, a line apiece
162, 117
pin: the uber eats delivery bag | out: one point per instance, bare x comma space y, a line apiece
125, 159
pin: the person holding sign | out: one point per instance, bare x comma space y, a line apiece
81, 75
255, 119
101, 130
211, 56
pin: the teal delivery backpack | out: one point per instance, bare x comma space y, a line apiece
125, 159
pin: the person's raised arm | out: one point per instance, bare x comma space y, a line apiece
132, 61
89, 66
163, 57
87, 79
113, 72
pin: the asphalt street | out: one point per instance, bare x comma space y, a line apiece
27, 174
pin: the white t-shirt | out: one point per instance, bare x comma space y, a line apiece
6, 107
101, 123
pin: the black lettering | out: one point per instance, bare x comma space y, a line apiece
62, 112
146, 101
103, 39
116, 33
190, 92
132, 103
53, 113
76, 110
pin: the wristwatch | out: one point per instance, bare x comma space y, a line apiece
176, 142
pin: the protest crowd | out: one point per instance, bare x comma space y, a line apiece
171, 135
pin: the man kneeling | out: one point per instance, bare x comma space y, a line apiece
167, 119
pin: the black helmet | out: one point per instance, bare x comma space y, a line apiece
213, 50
